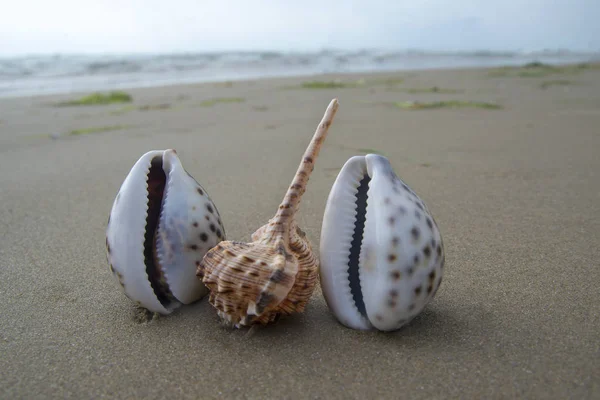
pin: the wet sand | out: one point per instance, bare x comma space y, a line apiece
515, 192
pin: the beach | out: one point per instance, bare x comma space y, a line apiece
505, 159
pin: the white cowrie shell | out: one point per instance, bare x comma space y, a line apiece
381, 252
161, 224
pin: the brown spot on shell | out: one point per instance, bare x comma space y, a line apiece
236, 269
391, 258
210, 208
193, 247
230, 253
277, 276
203, 237
418, 290
415, 233
429, 223
200, 192
195, 224
213, 228
427, 251
396, 275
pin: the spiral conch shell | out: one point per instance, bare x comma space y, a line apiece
161, 224
381, 251
275, 274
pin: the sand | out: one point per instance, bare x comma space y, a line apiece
515, 191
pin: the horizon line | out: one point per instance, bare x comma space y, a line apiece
407, 50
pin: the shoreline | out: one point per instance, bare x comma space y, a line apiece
592, 58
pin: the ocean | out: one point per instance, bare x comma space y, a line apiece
54, 74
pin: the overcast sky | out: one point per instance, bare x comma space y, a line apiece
109, 26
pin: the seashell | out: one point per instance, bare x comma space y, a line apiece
275, 274
381, 251
161, 224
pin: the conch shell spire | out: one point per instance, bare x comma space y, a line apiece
283, 222
275, 274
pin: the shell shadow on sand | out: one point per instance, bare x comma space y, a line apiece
442, 324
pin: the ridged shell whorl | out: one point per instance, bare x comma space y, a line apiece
275, 274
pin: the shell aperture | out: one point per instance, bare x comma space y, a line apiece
161, 224
381, 252
275, 274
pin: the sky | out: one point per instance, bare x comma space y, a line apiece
160, 26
